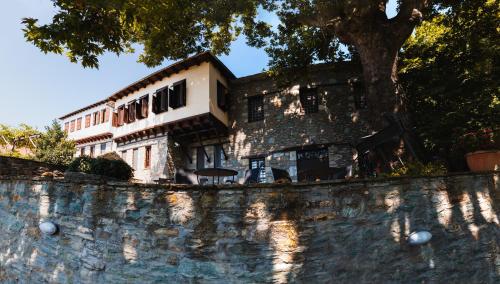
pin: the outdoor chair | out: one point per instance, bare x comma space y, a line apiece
281, 176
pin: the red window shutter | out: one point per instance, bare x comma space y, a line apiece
72, 126
114, 121
145, 106
66, 127
87, 120
125, 115
106, 115
79, 123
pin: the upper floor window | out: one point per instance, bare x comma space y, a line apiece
72, 126
309, 100
79, 123
160, 101
177, 94
66, 127
103, 148
142, 106
131, 112
120, 116
222, 96
96, 118
255, 108
87, 120
104, 115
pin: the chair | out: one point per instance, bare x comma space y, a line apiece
252, 176
281, 176
183, 176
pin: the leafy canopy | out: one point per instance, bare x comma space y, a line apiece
53, 146
450, 70
309, 30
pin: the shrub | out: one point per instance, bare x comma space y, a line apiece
109, 165
419, 169
482, 140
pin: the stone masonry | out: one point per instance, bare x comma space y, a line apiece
325, 232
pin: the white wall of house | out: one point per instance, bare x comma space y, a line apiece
215, 75
197, 99
93, 130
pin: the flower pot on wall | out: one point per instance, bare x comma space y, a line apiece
481, 161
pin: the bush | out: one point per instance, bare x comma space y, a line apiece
419, 169
109, 165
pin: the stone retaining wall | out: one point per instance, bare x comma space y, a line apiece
344, 232
23, 167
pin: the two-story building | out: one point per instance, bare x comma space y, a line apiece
196, 114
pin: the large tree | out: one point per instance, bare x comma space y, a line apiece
450, 69
310, 31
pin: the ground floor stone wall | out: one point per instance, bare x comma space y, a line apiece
334, 232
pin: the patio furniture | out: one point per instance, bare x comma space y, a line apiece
183, 176
215, 172
281, 176
251, 176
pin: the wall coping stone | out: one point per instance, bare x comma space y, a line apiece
76, 178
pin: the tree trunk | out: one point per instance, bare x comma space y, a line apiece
379, 62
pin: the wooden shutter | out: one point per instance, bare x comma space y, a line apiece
221, 96
87, 120
79, 123
131, 112
125, 115
164, 100
121, 115
155, 103
66, 127
178, 95
114, 120
106, 115
144, 106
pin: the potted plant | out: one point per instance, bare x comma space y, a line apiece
482, 149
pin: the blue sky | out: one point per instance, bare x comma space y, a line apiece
38, 87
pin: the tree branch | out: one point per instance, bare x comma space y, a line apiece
410, 14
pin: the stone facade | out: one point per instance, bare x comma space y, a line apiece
326, 232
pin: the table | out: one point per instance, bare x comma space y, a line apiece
215, 172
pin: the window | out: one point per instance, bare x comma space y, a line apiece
87, 120
218, 156
259, 164
103, 115
66, 127
124, 155
103, 148
222, 96
79, 123
131, 112
160, 100
255, 108
141, 107
135, 156
200, 158
92, 150
106, 115
309, 100
121, 116
82, 151
96, 118
72, 126
147, 157
177, 94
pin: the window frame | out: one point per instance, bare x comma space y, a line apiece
262, 178
78, 123
309, 100
88, 120
147, 157
254, 115
177, 94
222, 96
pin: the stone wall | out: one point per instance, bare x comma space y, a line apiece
23, 167
353, 232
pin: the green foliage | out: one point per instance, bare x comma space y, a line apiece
450, 71
17, 142
109, 165
53, 146
415, 169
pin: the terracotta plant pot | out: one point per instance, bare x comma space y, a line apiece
482, 161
